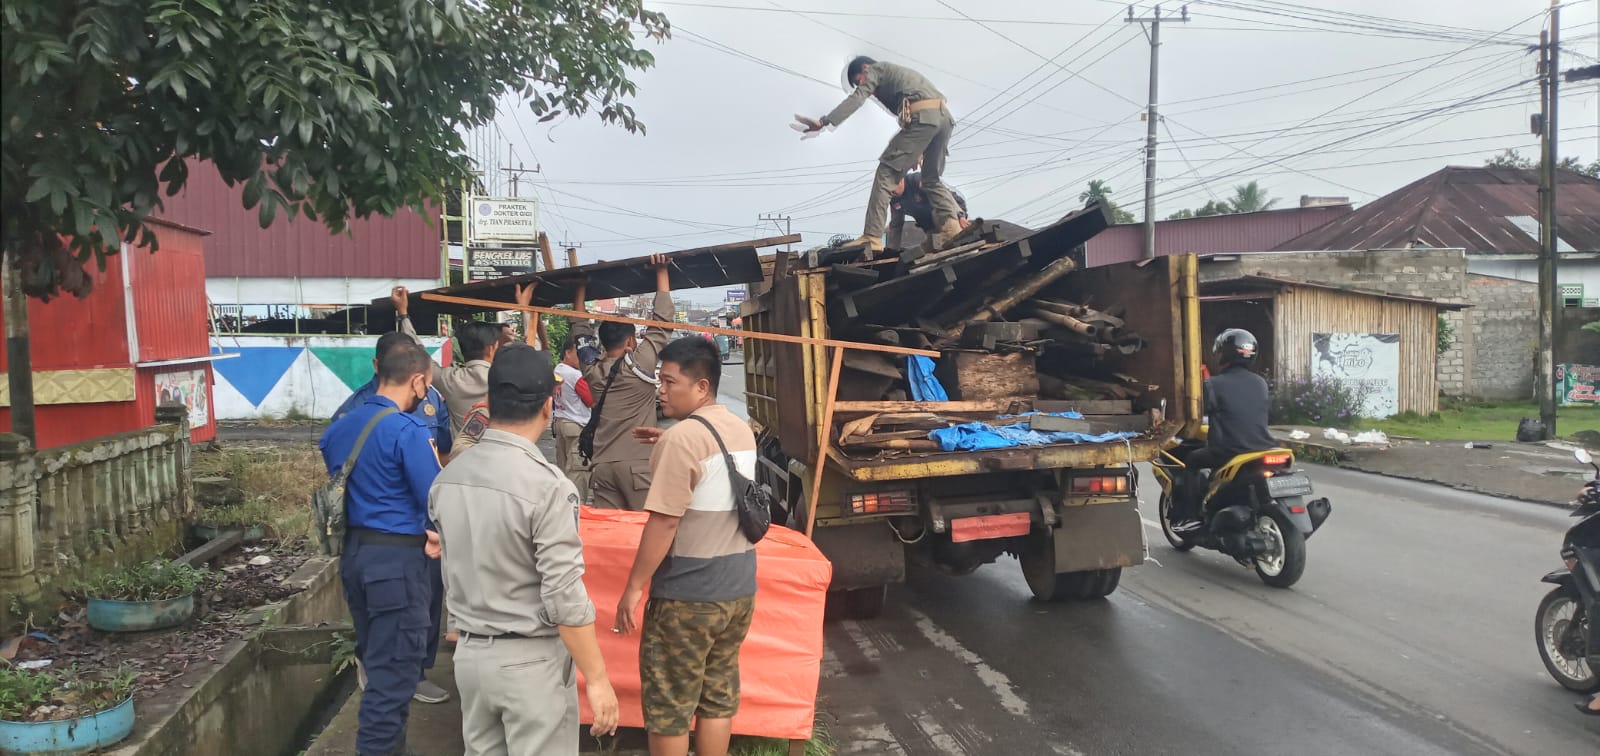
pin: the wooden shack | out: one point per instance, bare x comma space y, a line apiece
1386, 342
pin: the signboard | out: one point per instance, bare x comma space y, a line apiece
505, 219
486, 264
1578, 385
188, 388
1369, 363
1571, 290
735, 296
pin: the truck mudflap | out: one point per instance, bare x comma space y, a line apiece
864, 556
1099, 536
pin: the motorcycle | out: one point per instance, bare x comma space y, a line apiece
1255, 510
1562, 622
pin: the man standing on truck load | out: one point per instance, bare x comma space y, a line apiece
1236, 402
624, 385
698, 564
925, 128
911, 199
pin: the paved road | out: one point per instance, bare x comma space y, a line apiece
1411, 633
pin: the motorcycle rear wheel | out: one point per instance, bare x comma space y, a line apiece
1283, 569
1556, 649
1181, 543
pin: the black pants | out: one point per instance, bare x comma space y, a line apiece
1204, 458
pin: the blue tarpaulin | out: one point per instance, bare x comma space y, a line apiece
983, 436
924, 386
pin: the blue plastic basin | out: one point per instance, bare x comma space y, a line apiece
68, 736
133, 616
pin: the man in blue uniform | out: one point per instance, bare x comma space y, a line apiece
387, 551
436, 417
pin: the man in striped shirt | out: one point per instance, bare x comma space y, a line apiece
700, 568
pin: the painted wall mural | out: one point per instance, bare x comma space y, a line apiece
291, 376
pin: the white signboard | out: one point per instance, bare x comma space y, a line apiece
1369, 363
505, 219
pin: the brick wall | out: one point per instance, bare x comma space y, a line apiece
1504, 334
1433, 273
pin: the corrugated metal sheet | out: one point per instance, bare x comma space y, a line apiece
169, 296
1486, 211
1214, 234
403, 246
69, 333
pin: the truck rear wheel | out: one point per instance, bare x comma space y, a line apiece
865, 603
1038, 558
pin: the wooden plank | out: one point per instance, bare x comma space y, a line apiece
973, 375
212, 549
876, 364
824, 428
852, 277
1086, 406
998, 407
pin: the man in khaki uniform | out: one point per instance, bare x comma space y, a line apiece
466, 381
925, 128
624, 385
508, 527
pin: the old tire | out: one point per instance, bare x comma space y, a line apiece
1038, 559
864, 603
1559, 627
1284, 568
1178, 542
1098, 584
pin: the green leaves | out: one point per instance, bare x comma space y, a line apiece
336, 110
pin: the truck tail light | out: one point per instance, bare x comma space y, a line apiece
1100, 484
878, 502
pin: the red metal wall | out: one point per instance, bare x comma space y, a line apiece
68, 333
404, 246
1215, 234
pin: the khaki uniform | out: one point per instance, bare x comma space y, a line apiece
568, 458
924, 133
619, 476
462, 384
513, 571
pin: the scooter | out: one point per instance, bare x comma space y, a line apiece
1255, 510
1563, 621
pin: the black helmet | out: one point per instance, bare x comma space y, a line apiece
1235, 346
857, 63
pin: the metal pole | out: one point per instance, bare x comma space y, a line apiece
19, 357
1548, 300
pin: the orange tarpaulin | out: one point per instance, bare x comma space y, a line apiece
781, 659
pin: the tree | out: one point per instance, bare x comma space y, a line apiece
336, 110
1211, 207
1098, 191
1250, 198
1510, 158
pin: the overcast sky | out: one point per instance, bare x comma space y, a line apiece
1336, 97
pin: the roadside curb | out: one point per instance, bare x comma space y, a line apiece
1344, 460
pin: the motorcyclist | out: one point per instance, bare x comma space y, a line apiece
1236, 402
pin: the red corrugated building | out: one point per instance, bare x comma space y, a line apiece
1210, 235
298, 261
102, 363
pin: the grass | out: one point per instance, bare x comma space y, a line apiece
147, 581
1481, 421
820, 744
24, 692
275, 483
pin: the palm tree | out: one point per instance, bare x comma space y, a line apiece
1249, 198
1097, 192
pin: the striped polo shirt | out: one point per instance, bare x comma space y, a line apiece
710, 559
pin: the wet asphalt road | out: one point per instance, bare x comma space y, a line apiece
1411, 633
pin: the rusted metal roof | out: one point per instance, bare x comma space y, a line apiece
1210, 235
698, 268
405, 245
1486, 211
1265, 286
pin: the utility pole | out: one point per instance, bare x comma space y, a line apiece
1549, 79
572, 248
515, 174
1150, 118
774, 218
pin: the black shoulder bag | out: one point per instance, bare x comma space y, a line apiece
586, 436
752, 502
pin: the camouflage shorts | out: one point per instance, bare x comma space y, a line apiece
689, 661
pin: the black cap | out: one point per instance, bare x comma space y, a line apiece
527, 371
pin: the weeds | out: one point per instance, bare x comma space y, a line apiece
820, 744
42, 695
149, 581
1318, 401
275, 483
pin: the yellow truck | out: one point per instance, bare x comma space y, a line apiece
1067, 511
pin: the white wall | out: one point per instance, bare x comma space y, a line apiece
1581, 271
291, 376
308, 291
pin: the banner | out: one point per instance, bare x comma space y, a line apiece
188, 388
505, 219
1368, 363
1578, 384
